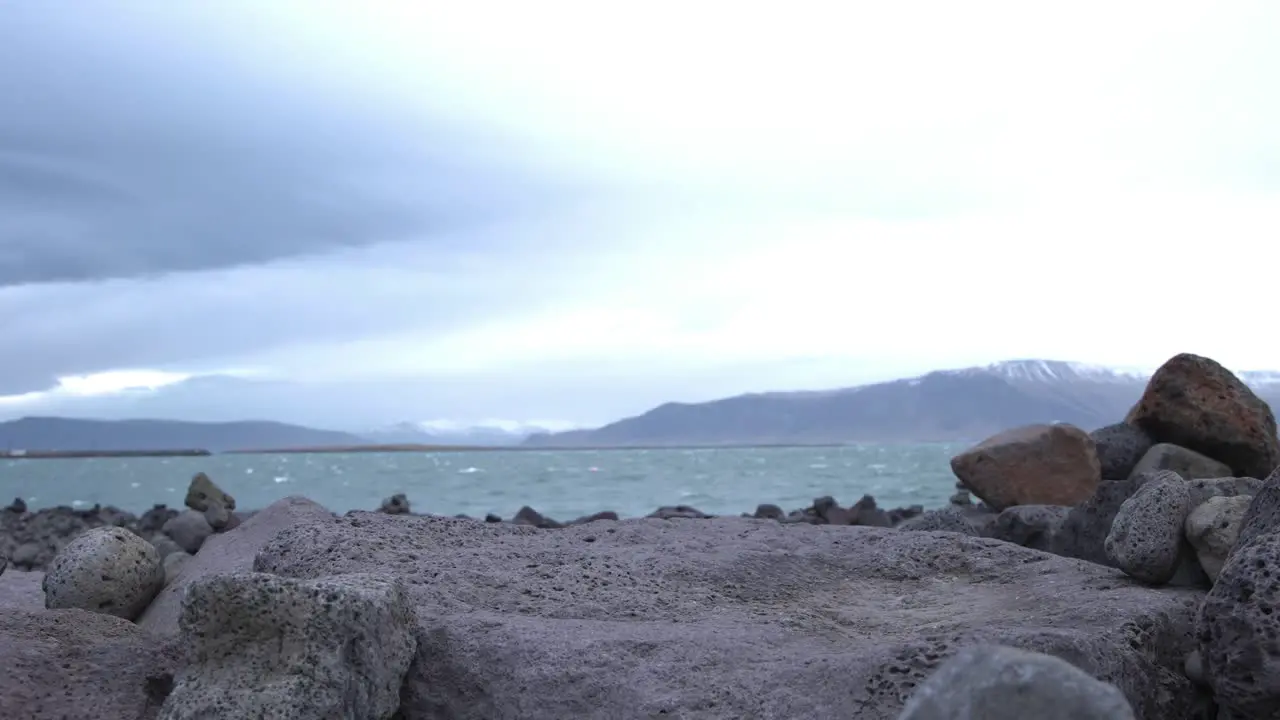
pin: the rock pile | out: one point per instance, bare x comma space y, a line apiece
1130, 572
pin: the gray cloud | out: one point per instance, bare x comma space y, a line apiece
134, 143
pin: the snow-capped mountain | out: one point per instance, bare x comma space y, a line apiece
448, 432
964, 404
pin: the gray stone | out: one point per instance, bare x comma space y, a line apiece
1084, 531
107, 570
228, 552
1212, 529
189, 530
1238, 627
173, 565
1146, 539
204, 496
768, 511
1263, 515
1120, 447
991, 682
397, 504
1204, 488
165, 545
948, 519
20, 590
1190, 464
265, 646
26, 555
1032, 526
73, 665
731, 618
677, 512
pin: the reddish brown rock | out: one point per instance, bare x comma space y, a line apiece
1031, 465
1194, 402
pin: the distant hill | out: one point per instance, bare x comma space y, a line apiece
62, 434
948, 405
450, 434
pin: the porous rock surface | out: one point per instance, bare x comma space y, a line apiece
108, 570
1195, 402
1033, 526
732, 617
1146, 539
261, 646
992, 682
232, 551
1120, 447
1031, 465
78, 665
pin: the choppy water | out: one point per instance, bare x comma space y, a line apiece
560, 484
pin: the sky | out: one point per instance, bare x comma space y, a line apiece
350, 214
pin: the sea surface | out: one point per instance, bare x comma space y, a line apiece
560, 484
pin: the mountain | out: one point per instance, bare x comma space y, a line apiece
947, 405
445, 433
55, 433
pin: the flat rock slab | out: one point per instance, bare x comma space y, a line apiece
60, 664
733, 617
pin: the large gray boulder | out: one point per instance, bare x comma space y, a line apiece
261, 646
1146, 539
108, 570
733, 617
228, 552
990, 682
62, 664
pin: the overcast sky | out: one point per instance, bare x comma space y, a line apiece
571, 211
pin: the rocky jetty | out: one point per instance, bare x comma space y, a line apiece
1128, 572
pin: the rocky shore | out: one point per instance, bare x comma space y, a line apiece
1129, 572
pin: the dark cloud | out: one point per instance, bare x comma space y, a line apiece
137, 142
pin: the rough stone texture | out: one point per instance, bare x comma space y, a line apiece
732, 617
228, 552
204, 496
1120, 447
1263, 516
1194, 402
1031, 465
1146, 539
265, 646
77, 665
173, 565
189, 530
1202, 490
1084, 531
1033, 526
991, 682
1190, 464
1212, 529
106, 570
947, 519
1238, 628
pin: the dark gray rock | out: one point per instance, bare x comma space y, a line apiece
1212, 529
947, 519
678, 512
264, 646
1190, 464
204, 496
1238, 627
991, 682
730, 618
189, 530
1263, 515
1083, 533
32, 539
1146, 539
768, 511
528, 516
1120, 447
62, 664
606, 515
397, 504
1205, 488
1033, 526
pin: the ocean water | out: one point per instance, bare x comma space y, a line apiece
560, 484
